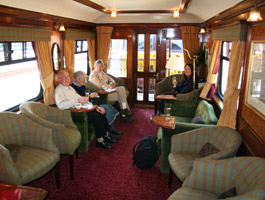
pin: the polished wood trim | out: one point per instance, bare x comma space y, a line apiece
162, 121
23, 18
183, 8
166, 97
93, 5
252, 145
235, 14
184, 5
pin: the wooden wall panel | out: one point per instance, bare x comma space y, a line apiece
250, 122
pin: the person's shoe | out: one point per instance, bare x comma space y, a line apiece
104, 145
116, 131
126, 112
111, 138
126, 119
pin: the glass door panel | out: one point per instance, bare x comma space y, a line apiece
140, 89
140, 52
151, 89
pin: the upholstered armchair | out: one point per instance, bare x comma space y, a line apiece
104, 97
240, 178
34, 154
184, 111
65, 134
186, 147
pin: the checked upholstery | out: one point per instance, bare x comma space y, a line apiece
36, 155
185, 147
210, 178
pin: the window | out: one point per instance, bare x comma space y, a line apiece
19, 74
224, 67
81, 56
117, 61
174, 47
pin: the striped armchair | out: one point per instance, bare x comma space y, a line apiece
64, 132
211, 178
185, 148
36, 153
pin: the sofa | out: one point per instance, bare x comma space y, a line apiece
239, 178
184, 111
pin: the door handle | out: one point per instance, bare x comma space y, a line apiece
157, 76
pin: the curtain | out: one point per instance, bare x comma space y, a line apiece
44, 58
210, 85
103, 43
92, 52
229, 112
69, 55
190, 40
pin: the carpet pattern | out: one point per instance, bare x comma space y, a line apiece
108, 174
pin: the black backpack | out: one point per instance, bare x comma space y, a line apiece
146, 153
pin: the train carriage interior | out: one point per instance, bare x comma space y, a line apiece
189, 73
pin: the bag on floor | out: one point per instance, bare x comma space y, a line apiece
145, 152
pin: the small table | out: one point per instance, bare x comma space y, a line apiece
163, 97
161, 121
9, 191
104, 95
75, 110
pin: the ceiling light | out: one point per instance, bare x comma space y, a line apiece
58, 26
254, 15
113, 14
176, 13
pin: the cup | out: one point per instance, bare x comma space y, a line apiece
87, 95
78, 105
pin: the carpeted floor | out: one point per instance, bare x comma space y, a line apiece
107, 174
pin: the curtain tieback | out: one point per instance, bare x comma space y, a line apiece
47, 82
212, 78
230, 92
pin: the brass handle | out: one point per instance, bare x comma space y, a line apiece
157, 76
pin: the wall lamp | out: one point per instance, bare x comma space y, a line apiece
254, 15
58, 26
204, 29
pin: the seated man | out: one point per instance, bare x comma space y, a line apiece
66, 97
99, 78
110, 111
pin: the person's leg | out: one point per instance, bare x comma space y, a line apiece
110, 112
100, 131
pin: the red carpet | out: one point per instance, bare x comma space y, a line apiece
107, 174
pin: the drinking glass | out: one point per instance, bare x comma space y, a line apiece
168, 110
174, 81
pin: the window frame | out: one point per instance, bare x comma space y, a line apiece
83, 51
220, 70
8, 61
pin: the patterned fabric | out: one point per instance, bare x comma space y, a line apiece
225, 139
208, 149
37, 153
197, 119
24, 34
64, 132
246, 174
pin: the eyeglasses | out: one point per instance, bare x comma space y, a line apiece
64, 77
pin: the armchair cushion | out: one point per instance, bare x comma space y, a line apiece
208, 149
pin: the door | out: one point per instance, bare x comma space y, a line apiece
146, 66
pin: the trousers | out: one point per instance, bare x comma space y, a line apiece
99, 122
